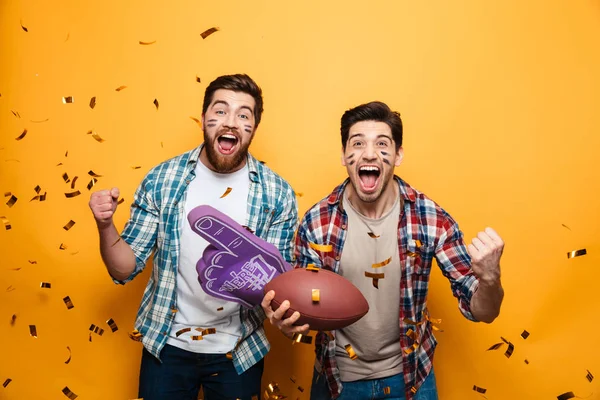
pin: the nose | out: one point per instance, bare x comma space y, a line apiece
369, 154
231, 121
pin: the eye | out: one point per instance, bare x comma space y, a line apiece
383, 143
357, 144
244, 116
220, 112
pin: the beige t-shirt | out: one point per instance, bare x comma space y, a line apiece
375, 338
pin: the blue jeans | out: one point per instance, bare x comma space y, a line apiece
182, 373
373, 389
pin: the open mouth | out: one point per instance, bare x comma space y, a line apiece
369, 177
227, 143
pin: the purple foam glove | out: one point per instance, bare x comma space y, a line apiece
237, 264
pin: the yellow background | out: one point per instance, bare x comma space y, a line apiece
500, 104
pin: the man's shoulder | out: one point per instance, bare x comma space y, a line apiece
270, 177
424, 204
322, 211
173, 163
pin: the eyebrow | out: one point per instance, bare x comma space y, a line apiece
362, 135
227, 104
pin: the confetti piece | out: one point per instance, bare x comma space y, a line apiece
566, 396
248, 229
11, 202
46, 285
576, 253
73, 182
121, 201
68, 36
22, 135
33, 331
316, 295
325, 248
229, 356
93, 102
23, 27
208, 32
96, 136
589, 376
65, 177
509, 350
67, 100
13, 319
16, 113
146, 43
382, 264
116, 241
93, 174
72, 194
113, 325
6, 382
96, 329
495, 346
504, 340
525, 334
197, 337
527, 362
67, 392
566, 226
479, 390
350, 352
6, 223
174, 310
300, 338
387, 390
37, 189
91, 184
63, 246
120, 88
196, 120
198, 79
373, 275
312, 267
182, 331
68, 302
135, 335
10, 288
411, 254
155, 102
69, 359
39, 121
207, 331
413, 390
227, 191
136, 167
220, 309
374, 236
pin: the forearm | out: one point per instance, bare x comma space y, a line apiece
486, 301
116, 254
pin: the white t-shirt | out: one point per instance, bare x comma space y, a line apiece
196, 309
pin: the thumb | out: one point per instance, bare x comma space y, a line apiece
115, 193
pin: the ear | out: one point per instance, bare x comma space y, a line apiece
202, 120
343, 157
399, 156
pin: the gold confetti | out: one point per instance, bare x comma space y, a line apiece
312, 267
382, 264
67, 392
135, 335
495, 346
229, 356
146, 43
316, 295
68, 36
374, 236
174, 310
207, 331
39, 121
67, 100
69, 359
227, 191
350, 352
196, 120
13, 199
248, 229
97, 330
136, 167
63, 246
566, 226
120, 88
589, 376
91, 184
96, 136
411, 254
116, 241
46, 285
182, 331
16, 113
68, 302
73, 182
576, 253
198, 79
479, 390
120, 201
37, 189
22, 135
32, 261
113, 325
215, 374
197, 337
33, 331
387, 390
23, 27
509, 350
66, 177
208, 32
300, 338
525, 334
13, 319
155, 102
6, 223
93, 102
376, 278
93, 174
220, 309
6, 382
72, 194
526, 361
299, 194
325, 248
567, 396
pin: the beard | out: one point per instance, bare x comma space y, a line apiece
221, 163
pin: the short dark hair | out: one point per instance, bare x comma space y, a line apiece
373, 111
237, 83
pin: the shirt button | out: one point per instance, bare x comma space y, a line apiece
176, 202
344, 226
187, 181
266, 210
164, 333
337, 258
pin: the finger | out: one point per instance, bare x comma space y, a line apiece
115, 192
473, 251
266, 302
485, 238
494, 236
478, 244
303, 330
291, 320
278, 314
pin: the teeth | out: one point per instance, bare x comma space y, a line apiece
227, 136
369, 168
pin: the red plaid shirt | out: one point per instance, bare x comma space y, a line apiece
425, 231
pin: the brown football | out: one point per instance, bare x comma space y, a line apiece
338, 304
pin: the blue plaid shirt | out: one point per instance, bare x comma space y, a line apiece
155, 226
